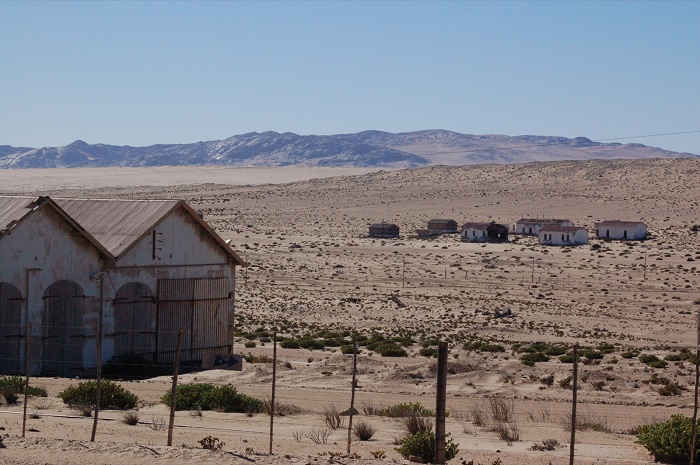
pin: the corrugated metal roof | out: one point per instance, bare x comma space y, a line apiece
555, 228
441, 221
476, 225
623, 224
13, 209
540, 221
116, 224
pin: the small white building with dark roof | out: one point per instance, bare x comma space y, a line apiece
563, 235
621, 230
484, 232
532, 226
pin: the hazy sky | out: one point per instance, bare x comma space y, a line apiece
141, 73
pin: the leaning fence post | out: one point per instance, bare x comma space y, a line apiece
26, 381
173, 391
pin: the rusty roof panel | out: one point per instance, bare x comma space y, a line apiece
116, 224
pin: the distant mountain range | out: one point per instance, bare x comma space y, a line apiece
363, 149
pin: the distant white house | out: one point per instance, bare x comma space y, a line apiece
484, 232
532, 226
563, 235
614, 229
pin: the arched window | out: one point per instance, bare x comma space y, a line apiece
11, 330
135, 316
63, 332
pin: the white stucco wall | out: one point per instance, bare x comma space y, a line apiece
41, 250
618, 232
578, 237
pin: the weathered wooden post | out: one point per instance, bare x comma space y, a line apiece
352, 392
693, 442
26, 381
274, 381
440, 401
173, 391
573, 407
98, 387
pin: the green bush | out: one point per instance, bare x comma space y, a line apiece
423, 445
406, 409
566, 358
206, 396
530, 358
390, 349
289, 343
668, 442
16, 385
347, 349
112, 395
428, 352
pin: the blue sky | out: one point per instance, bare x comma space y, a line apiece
141, 73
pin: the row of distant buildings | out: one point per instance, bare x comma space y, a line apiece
550, 231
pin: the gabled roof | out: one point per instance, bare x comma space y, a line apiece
15, 209
383, 225
442, 221
113, 226
541, 221
622, 224
555, 228
476, 225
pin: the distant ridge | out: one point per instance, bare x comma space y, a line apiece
363, 149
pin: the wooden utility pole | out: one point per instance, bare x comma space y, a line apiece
645, 266
695, 403
274, 382
173, 390
573, 408
98, 388
533, 269
352, 395
440, 401
26, 380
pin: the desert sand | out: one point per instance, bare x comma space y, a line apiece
313, 269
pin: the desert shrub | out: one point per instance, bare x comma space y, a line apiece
673, 358
131, 417
509, 432
668, 442
206, 396
423, 445
553, 351
547, 380
332, 418
14, 385
348, 349
502, 409
566, 358
289, 343
311, 343
628, 354
406, 409
10, 394
530, 358
592, 354
606, 348
653, 361
112, 395
414, 424
428, 352
211, 443
670, 389
391, 349
363, 430
250, 344
565, 383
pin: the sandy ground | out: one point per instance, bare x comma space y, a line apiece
312, 269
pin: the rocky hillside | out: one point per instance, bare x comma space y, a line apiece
363, 149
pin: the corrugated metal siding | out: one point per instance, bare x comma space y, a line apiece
200, 307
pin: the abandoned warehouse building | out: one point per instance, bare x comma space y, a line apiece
134, 271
